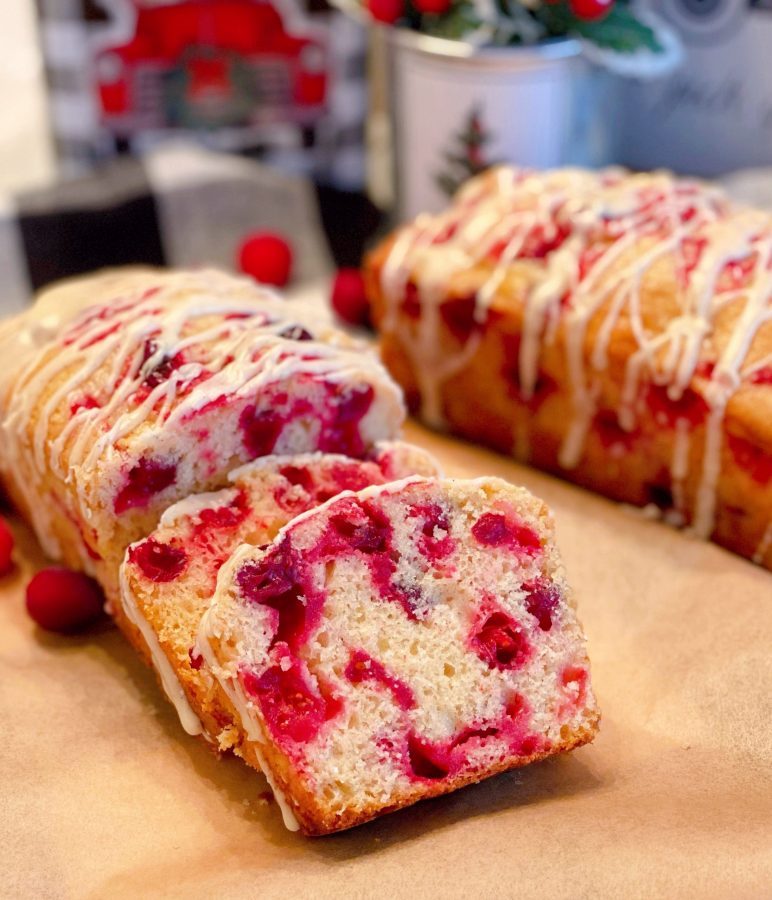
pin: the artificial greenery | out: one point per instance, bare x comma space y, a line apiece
619, 30
515, 23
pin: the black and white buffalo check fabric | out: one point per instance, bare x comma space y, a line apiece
179, 205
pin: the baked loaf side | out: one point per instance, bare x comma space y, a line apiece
615, 329
159, 388
168, 579
398, 643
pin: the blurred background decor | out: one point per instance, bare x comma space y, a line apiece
280, 80
173, 131
714, 113
453, 114
522, 81
177, 205
176, 131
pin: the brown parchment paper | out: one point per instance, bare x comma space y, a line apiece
103, 795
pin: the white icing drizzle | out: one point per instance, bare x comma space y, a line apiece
251, 727
433, 369
602, 234
287, 813
192, 505
764, 544
169, 681
679, 468
229, 330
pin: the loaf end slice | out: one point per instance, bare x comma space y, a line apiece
398, 643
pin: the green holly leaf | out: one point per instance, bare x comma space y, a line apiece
619, 31
455, 159
455, 24
447, 184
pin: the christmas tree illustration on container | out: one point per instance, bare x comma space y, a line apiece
467, 156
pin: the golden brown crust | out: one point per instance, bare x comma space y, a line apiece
207, 701
316, 819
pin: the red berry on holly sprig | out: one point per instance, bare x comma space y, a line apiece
348, 297
64, 601
267, 257
6, 548
432, 7
590, 10
386, 11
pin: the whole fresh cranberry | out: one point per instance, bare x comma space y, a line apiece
432, 7
267, 257
348, 297
61, 600
6, 548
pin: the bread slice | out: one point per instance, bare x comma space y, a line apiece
168, 578
398, 643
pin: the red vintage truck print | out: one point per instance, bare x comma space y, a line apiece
211, 64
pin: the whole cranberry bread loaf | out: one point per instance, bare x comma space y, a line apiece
615, 329
398, 643
154, 385
168, 578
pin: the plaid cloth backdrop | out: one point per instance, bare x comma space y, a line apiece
178, 206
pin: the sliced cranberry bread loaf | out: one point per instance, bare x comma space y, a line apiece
615, 329
168, 579
157, 386
398, 643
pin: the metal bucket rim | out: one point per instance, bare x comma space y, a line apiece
463, 52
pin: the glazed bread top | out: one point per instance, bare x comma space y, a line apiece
621, 283
117, 378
